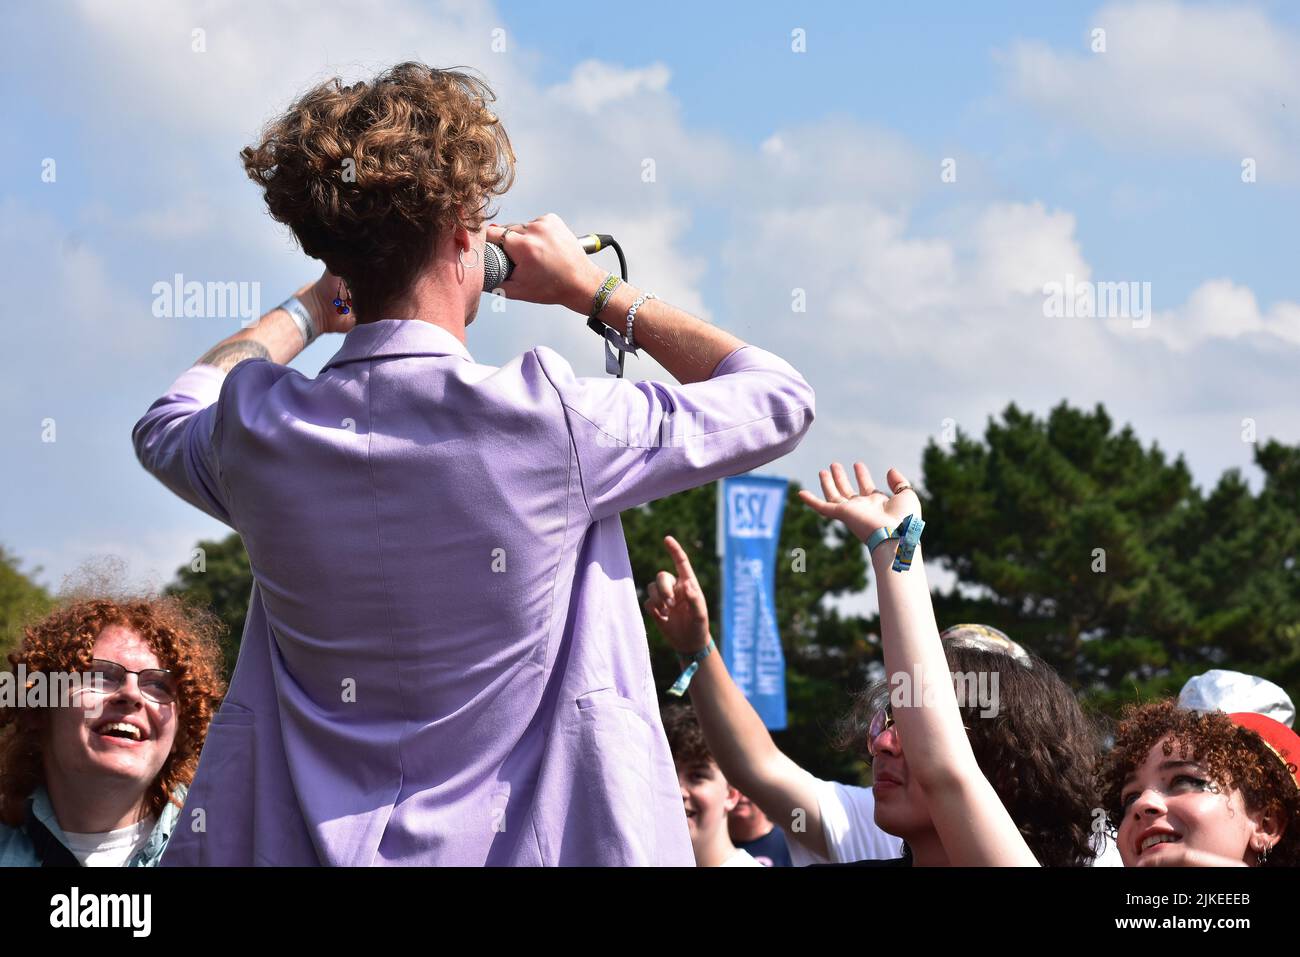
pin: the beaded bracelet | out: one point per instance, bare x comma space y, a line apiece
631, 316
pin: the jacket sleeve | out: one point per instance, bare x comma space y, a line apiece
177, 440
639, 441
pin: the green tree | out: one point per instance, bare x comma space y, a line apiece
1104, 558
222, 580
21, 600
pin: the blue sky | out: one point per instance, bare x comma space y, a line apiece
776, 170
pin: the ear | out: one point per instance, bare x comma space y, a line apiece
1269, 830
733, 798
461, 239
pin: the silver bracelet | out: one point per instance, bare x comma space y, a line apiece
301, 318
631, 316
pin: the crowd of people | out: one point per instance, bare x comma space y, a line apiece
1209, 779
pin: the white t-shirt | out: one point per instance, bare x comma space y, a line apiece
110, 848
849, 823
741, 858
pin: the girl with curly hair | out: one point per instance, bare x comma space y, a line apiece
99, 778
1189, 788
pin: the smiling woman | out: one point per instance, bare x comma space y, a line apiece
1186, 788
99, 778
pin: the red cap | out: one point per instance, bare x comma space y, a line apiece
1284, 742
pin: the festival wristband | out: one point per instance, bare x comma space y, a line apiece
301, 317
909, 533
684, 679
882, 534
599, 301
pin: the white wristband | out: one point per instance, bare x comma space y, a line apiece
301, 318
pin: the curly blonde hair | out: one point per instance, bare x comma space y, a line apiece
369, 176
183, 637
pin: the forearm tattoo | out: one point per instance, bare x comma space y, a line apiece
228, 354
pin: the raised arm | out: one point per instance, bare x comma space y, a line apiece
968, 816
175, 439
736, 735
550, 266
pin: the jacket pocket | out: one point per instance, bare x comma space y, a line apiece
613, 779
219, 807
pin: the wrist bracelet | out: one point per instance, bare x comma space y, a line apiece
882, 534
684, 679
301, 317
909, 531
600, 300
631, 316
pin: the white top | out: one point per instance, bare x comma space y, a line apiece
741, 858
849, 822
110, 848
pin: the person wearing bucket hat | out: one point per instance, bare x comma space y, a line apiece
1186, 788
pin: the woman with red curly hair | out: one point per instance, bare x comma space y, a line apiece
99, 779
1190, 788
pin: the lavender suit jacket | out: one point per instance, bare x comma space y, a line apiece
444, 660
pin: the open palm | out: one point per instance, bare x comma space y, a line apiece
869, 508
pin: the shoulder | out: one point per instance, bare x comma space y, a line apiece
16, 848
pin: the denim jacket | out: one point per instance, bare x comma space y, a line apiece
20, 846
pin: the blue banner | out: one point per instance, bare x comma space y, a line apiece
750, 508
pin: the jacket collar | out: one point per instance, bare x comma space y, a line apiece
43, 810
397, 337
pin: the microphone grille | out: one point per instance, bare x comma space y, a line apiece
496, 266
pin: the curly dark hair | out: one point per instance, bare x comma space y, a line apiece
182, 636
1233, 756
369, 176
1039, 751
685, 736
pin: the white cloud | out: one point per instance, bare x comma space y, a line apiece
1221, 309
1221, 79
595, 84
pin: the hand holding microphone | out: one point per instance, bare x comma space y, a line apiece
544, 262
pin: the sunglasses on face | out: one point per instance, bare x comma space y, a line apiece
156, 684
881, 722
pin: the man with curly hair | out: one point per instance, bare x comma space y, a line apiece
443, 660
99, 779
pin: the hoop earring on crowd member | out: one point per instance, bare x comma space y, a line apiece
461, 257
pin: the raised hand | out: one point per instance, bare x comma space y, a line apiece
677, 604
869, 508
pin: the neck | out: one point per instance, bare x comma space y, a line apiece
94, 806
436, 297
713, 850
749, 829
927, 850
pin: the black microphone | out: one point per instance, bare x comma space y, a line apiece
497, 266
